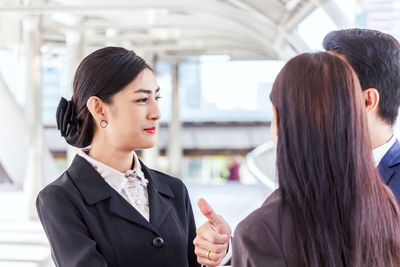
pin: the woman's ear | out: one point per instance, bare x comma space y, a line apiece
371, 96
274, 124
96, 107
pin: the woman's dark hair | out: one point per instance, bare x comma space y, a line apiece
375, 57
103, 73
343, 215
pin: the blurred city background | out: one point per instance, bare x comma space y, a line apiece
215, 62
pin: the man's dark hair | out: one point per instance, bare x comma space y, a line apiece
375, 57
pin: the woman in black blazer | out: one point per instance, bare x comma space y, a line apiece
108, 208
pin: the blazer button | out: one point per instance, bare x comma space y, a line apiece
158, 242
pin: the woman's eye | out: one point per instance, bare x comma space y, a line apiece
158, 98
142, 100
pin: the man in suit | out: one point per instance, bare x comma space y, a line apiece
375, 57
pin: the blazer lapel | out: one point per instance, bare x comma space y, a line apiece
122, 208
389, 160
385, 172
94, 189
88, 181
159, 192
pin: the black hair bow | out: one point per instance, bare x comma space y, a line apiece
66, 121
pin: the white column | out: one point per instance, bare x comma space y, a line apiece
175, 145
150, 156
75, 54
33, 110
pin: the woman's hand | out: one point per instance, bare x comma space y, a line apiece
212, 240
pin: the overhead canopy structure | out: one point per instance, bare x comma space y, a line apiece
242, 29
170, 30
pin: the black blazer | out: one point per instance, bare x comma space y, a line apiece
88, 223
389, 168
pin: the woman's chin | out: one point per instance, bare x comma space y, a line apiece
147, 145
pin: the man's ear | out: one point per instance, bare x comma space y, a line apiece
96, 107
371, 96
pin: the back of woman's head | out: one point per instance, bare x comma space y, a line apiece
103, 73
342, 213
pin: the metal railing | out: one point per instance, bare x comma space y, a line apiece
261, 164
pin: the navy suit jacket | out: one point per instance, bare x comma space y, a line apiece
88, 223
389, 168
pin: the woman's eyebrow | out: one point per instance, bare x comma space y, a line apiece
146, 91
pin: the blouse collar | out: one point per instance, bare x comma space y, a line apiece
114, 177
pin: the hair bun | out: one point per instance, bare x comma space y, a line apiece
66, 121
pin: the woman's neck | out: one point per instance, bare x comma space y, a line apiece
116, 158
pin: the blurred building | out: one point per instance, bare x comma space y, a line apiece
383, 15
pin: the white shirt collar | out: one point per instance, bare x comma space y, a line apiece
380, 151
114, 177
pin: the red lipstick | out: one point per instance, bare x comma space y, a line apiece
151, 130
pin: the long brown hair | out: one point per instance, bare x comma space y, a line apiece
343, 214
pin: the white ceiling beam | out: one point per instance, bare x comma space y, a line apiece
246, 20
306, 9
335, 13
213, 25
267, 20
241, 19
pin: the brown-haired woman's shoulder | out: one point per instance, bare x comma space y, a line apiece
265, 237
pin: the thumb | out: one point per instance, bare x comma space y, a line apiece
208, 212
